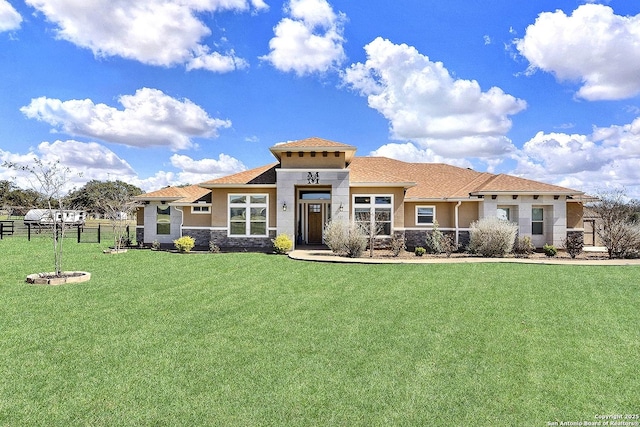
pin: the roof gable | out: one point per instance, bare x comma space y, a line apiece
263, 175
189, 194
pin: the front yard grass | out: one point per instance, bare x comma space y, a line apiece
158, 338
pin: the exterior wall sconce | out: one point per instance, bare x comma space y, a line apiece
341, 207
515, 196
284, 206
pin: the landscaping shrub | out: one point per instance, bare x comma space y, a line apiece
574, 244
397, 244
419, 251
344, 238
449, 244
523, 248
213, 248
434, 240
492, 237
550, 250
282, 244
184, 244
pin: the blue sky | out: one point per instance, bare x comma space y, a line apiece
167, 92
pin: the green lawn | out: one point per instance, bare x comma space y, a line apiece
157, 338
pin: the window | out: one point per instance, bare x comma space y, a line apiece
504, 213
200, 209
377, 209
425, 214
537, 221
247, 214
163, 220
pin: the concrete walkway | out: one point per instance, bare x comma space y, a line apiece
325, 255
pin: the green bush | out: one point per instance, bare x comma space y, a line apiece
282, 244
523, 248
184, 244
492, 237
419, 251
550, 250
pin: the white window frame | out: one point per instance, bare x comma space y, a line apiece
372, 205
425, 224
248, 205
201, 210
164, 222
536, 221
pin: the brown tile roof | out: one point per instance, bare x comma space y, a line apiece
442, 181
313, 142
260, 175
421, 180
510, 183
188, 194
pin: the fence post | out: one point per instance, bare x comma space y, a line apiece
98, 233
29, 232
1, 230
78, 227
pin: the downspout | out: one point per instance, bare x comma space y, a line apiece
181, 219
457, 218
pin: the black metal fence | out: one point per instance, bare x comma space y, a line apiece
81, 234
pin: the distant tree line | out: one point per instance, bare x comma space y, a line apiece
89, 197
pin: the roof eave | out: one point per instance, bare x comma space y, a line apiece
526, 193
383, 184
238, 185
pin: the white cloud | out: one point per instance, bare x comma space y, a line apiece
195, 171
86, 160
609, 157
149, 118
425, 104
216, 62
408, 152
155, 32
593, 46
10, 19
310, 40
90, 160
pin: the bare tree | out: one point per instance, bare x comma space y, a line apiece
118, 207
617, 223
50, 180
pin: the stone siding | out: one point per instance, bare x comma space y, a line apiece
226, 243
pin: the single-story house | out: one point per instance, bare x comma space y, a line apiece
315, 180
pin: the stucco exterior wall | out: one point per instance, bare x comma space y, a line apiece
150, 221
195, 219
321, 160
555, 219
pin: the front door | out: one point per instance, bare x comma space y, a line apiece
315, 224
